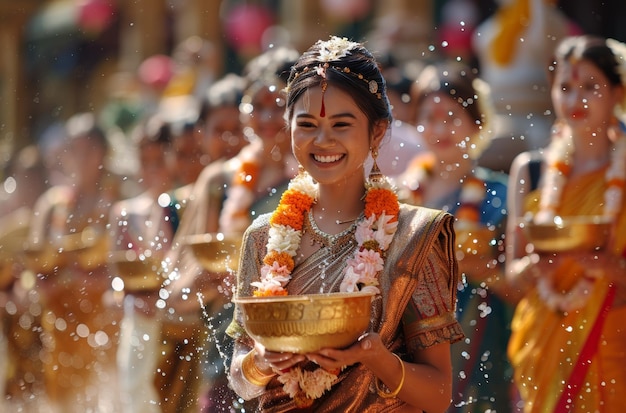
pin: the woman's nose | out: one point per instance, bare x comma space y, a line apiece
324, 137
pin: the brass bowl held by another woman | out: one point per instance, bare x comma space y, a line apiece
88, 249
216, 252
139, 273
306, 323
581, 233
13, 236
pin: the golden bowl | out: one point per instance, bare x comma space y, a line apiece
138, 274
13, 241
306, 323
215, 251
582, 233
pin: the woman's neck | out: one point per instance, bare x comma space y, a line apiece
590, 153
338, 205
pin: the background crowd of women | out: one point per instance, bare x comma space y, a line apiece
77, 339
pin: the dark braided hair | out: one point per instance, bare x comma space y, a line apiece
349, 66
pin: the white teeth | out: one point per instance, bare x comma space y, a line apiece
327, 158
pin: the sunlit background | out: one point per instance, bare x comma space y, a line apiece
64, 56
123, 59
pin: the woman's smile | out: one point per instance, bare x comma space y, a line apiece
328, 158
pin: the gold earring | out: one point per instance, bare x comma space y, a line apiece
375, 174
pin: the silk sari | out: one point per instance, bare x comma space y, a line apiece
415, 309
577, 355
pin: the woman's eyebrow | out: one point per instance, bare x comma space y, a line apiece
337, 115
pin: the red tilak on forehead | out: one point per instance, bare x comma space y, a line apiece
323, 108
321, 70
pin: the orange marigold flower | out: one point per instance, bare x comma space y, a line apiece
562, 167
287, 216
297, 200
619, 183
379, 200
282, 258
246, 175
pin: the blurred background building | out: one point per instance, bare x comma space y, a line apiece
108, 56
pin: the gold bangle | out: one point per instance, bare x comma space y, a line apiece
252, 373
386, 395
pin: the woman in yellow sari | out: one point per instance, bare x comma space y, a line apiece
567, 342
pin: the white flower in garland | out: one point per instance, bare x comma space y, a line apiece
374, 234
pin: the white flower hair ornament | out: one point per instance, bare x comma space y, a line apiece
334, 49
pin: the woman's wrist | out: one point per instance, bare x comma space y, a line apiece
391, 394
252, 373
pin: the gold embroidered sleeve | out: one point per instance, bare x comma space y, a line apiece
429, 317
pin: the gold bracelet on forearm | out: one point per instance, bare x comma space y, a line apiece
386, 395
252, 373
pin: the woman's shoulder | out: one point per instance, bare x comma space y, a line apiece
408, 211
259, 225
415, 219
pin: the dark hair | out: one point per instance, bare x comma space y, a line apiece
352, 69
269, 68
453, 79
593, 49
153, 130
84, 125
462, 84
226, 92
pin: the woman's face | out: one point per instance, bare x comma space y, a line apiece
266, 117
223, 137
188, 155
445, 126
334, 147
83, 161
582, 97
155, 171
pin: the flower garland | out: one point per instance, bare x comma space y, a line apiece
559, 160
234, 218
374, 233
473, 190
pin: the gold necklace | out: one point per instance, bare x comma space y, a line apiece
332, 242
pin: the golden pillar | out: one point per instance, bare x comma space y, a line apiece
143, 31
13, 119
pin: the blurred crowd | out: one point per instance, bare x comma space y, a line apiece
111, 298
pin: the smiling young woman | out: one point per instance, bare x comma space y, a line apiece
337, 231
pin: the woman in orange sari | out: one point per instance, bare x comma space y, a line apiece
68, 249
568, 338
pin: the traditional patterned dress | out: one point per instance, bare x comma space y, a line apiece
80, 320
415, 309
586, 348
482, 375
482, 378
